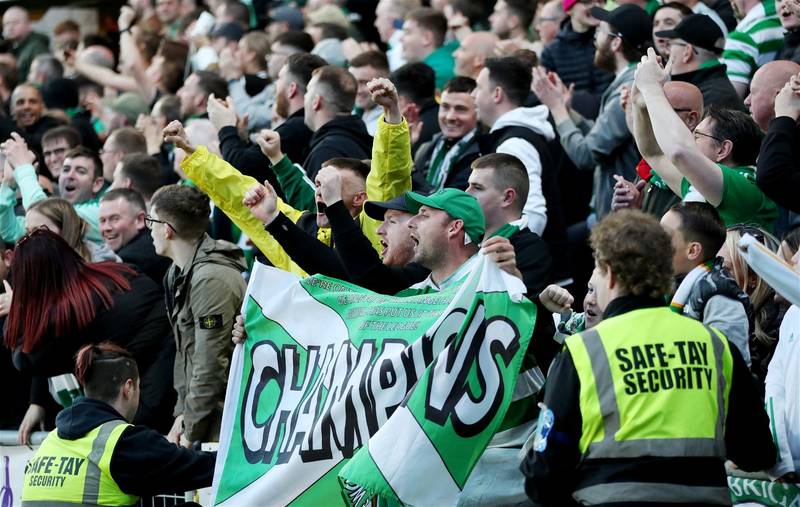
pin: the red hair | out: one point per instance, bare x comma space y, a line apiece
54, 286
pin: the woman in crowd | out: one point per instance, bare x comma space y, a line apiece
60, 217
764, 330
61, 302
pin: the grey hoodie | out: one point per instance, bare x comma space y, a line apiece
604, 145
534, 118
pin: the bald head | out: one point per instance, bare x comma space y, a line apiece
767, 82
98, 55
473, 52
16, 24
687, 100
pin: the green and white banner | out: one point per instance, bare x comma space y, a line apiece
758, 492
340, 395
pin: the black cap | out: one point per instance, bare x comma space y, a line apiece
698, 30
230, 31
631, 22
376, 209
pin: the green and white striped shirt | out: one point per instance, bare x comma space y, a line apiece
756, 40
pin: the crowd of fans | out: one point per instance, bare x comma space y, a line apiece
147, 166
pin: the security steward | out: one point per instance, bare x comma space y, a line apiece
95, 457
644, 408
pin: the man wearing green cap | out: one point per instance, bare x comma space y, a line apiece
447, 227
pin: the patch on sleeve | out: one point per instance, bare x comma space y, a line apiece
543, 427
210, 321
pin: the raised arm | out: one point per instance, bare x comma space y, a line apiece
675, 140
648, 146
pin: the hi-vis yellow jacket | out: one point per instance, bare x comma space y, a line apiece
389, 177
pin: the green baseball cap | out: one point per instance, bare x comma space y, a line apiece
456, 203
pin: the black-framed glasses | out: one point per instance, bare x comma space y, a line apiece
673, 42
703, 134
149, 221
682, 109
612, 34
56, 152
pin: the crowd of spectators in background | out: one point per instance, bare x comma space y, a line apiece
188, 139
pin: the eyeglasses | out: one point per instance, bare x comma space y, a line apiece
539, 21
673, 42
56, 152
682, 110
612, 34
703, 134
149, 221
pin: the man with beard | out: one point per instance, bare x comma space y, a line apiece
605, 145
290, 89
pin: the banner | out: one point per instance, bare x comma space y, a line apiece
411, 388
759, 492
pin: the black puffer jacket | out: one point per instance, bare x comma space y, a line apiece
343, 136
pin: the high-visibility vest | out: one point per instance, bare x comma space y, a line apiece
652, 384
76, 472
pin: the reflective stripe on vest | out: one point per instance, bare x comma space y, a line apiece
76, 472
603, 413
651, 492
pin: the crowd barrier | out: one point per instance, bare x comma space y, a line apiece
747, 490
13, 458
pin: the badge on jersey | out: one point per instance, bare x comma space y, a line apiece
543, 427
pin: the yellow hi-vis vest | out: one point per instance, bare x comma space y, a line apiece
66, 473
652, 384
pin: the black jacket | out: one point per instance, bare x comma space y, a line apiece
460, 169
33, 134
144, 463
555, 472
571, 56
791, 46
141, 253
714, 85
249, 159
777, 173
429, 116
351, 257
343, 136
137, 321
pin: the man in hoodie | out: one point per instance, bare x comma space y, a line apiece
502, 87
571, 55
204, 290
604, 145
328, 106
135, 460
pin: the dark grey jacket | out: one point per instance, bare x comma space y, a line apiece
604, 145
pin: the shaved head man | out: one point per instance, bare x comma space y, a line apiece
16, 24
25, 43
767, 82
473, 52
687, 100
